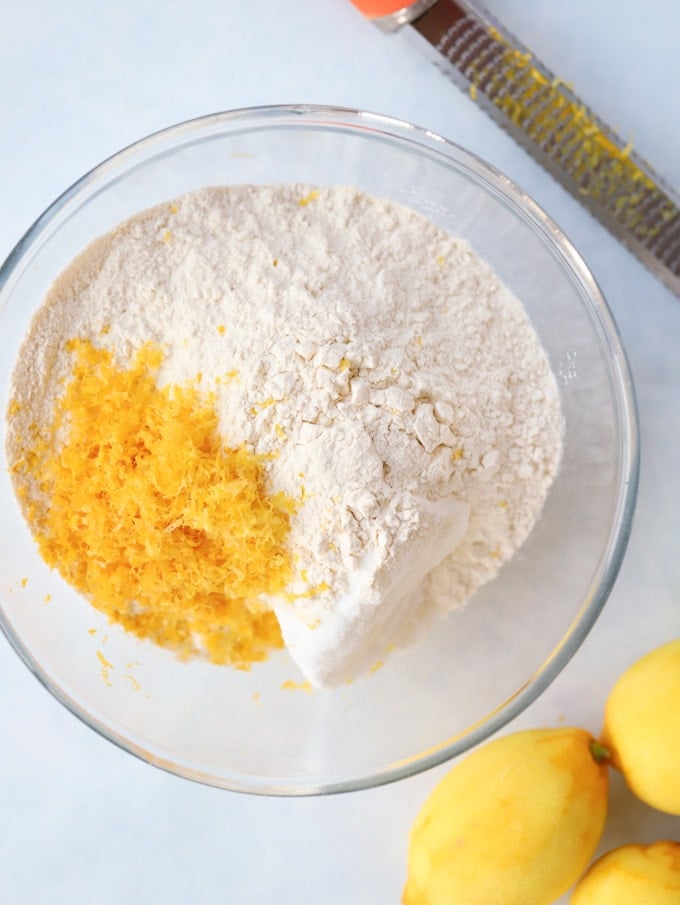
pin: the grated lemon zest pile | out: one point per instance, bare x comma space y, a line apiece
163, 529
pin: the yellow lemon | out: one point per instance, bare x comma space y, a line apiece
633, 875
515, 823
642, 727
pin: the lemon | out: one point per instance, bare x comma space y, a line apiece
642, 727
633, 875
515, 823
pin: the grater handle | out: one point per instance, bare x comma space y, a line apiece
390, 15
374, 9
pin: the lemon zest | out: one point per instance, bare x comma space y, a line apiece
146, 513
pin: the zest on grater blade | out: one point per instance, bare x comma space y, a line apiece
548, 120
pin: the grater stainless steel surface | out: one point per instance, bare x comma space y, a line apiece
545, 117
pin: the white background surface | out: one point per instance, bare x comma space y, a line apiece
80, 821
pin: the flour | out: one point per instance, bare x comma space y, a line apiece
399, 388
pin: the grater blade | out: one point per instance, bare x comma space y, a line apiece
546, 118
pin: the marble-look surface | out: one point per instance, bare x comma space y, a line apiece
85, 822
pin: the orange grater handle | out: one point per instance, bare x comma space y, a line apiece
374, 9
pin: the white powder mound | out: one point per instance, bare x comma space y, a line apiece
399, 385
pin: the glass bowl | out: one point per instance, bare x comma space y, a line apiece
256, 731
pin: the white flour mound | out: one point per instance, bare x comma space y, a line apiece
401, 387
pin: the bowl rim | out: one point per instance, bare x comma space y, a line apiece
352, 119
